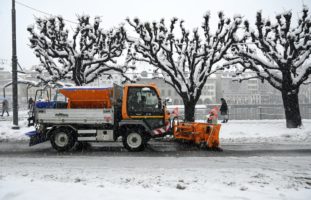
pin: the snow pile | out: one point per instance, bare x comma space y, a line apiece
264, 131
9, 134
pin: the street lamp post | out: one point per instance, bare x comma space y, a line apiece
14, 69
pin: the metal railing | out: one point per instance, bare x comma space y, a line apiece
249, 111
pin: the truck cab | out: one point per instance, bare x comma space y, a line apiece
143, 114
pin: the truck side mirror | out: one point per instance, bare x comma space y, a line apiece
167, 100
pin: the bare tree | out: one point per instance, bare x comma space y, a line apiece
185, 62
279, 54
88, 54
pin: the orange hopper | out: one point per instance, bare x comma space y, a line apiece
80, 97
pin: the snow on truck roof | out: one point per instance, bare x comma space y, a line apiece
87, 88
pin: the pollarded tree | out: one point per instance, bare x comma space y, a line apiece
279, 54
184, 60
89, 53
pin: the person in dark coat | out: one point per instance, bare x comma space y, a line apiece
224, 110
30, 103
5, 107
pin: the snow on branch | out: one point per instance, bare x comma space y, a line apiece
23, 81
185, 59
80, 58
278, 52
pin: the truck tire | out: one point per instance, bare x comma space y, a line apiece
134, 140
62, 139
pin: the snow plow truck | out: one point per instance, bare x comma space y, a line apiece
134, 112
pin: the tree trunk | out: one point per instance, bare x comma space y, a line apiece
76, 75
189, 110
291, 106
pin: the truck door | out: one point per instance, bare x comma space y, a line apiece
145, 103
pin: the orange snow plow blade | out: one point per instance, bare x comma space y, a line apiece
202, 134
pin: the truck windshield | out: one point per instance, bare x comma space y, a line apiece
143, 101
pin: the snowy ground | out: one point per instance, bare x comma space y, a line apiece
77, 176
6, 131
155, 178
264, 131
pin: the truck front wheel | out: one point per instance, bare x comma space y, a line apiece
62, 139
133, 140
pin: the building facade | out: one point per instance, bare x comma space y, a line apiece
221, 84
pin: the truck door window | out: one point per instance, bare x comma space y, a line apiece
133, 100
143, 101
151, 99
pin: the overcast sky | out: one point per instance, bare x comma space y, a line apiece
113, 12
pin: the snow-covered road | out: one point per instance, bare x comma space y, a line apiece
157, 149
85, 177
165, 170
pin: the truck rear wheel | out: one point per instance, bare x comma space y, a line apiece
134, 140
62, 139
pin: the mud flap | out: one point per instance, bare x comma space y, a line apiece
36, 138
